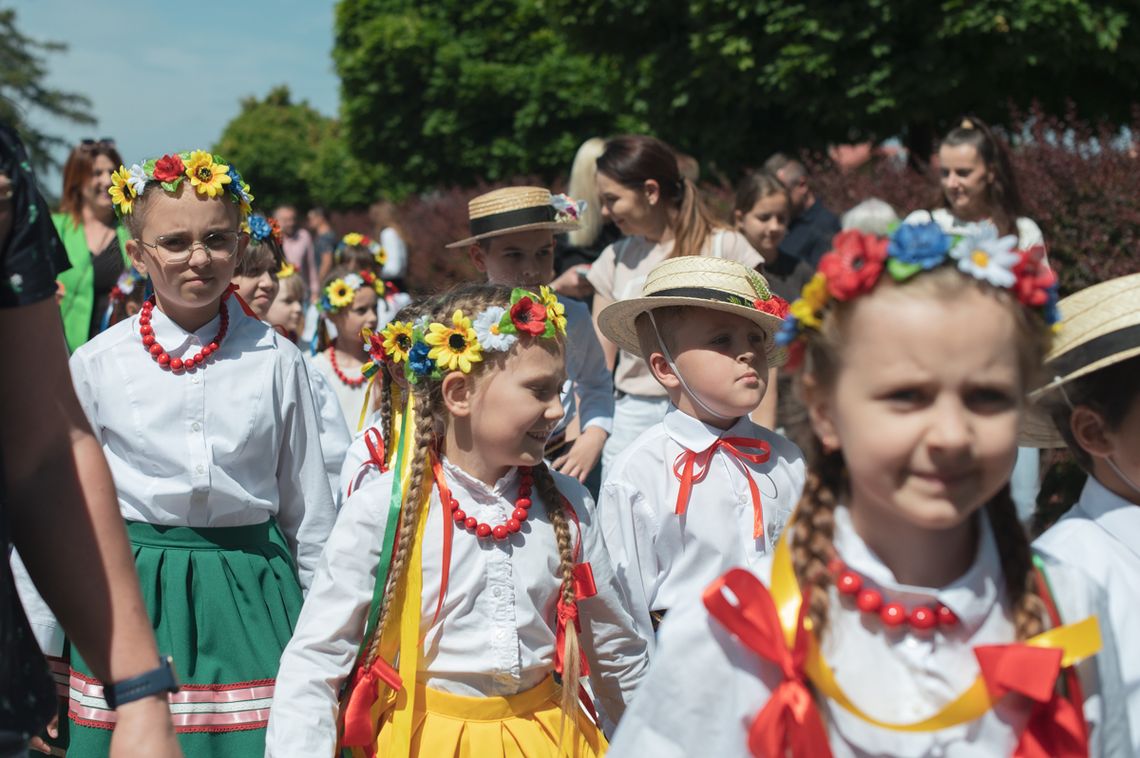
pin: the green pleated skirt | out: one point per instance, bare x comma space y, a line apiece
223, 602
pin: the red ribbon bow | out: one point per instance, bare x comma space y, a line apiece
376, 453
232, 289
1056, 727
584, 587
359, 728
789, 723
687, 461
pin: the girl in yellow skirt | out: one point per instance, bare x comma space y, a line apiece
464, 595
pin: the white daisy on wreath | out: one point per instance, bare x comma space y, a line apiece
136, 178
354, 281
987, 257
486, 326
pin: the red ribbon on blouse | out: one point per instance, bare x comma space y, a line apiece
359, 728
690, 468
790, 720
1056, 727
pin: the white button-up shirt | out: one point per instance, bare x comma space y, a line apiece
664, 560
229, 444
334, 433
705, 688
1101, 537
495, 634
589, 390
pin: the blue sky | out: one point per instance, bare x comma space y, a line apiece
166, 75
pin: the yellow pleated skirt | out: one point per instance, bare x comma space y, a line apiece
517, 726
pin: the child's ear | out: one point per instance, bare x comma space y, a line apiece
456, 392
820, 411
478, 257
737, 218
1089, 432
662, 371
652, 191
134, 252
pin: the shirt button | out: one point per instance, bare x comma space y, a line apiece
500, 634
201, 469
196, 426
497, 592
195, 380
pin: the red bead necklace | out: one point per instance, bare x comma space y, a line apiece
922, 618
340, 374
508, 527
159, 353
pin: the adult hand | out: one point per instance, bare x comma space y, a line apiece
583, 454
573, 283
143, 728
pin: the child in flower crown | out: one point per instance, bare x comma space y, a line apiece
707, 488
208, 424
347, 303
287, 311
357, 252
1091, 404
902, 612
459, 583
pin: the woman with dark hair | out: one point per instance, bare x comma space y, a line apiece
978, 184
662, 215
94, 239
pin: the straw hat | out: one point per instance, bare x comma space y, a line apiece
695, 281
515, 209
1100, 327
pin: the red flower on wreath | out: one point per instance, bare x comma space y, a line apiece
376, 349
854, 263
529, 316
795, 355
168, 168
774, 306
1034, 277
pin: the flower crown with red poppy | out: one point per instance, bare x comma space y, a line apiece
432, 349
857, 261
208, 174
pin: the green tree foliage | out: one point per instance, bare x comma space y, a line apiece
457, 91
23, 70
731, 80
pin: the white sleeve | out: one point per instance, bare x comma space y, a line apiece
617, 656
329, 630
628, 529
396, 263
586, 365
335, 437
46, 628
305, 509
358, 467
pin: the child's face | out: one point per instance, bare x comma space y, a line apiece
525, 259
286, 311
925, 407
196, 284
765, 224
721, 357
1125, 440
258, 290
349, 321
515, 406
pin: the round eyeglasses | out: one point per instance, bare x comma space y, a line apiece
178, 248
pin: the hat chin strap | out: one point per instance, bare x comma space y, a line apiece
1108, 459
677, 372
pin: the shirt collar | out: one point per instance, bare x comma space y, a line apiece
1112, 513
175, 340
694, 434
971, 596
478, 489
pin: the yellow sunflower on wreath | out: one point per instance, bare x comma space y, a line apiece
456, 346
555, 310
397, 340
340, 295
208, 177
122, 194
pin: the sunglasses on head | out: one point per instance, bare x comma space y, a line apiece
89, 143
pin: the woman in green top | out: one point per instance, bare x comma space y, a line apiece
94, 239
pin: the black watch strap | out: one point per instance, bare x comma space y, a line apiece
162, 679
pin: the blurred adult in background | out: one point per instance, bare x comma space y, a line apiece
299, 250
95, 241
812, 225
662, 215
324, 240
576, 251
383, 215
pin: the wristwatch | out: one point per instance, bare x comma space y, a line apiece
162, 679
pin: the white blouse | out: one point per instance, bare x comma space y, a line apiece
231, 444
1101, 537
335, 437
351, 399
704, 688
496, 632
664, 560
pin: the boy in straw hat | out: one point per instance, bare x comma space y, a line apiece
512, 242
1091, 404
707, 488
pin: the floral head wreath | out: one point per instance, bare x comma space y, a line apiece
857, 261
208, 174
341, 292
353, 239
262, 228
287, 270
433, 349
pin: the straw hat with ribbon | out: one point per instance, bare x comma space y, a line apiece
699, 281
519, 209
1101, 327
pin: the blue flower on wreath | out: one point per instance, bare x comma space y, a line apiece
1051, 312
259, 227
788, 332
418, 360
916, 247
237, 186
